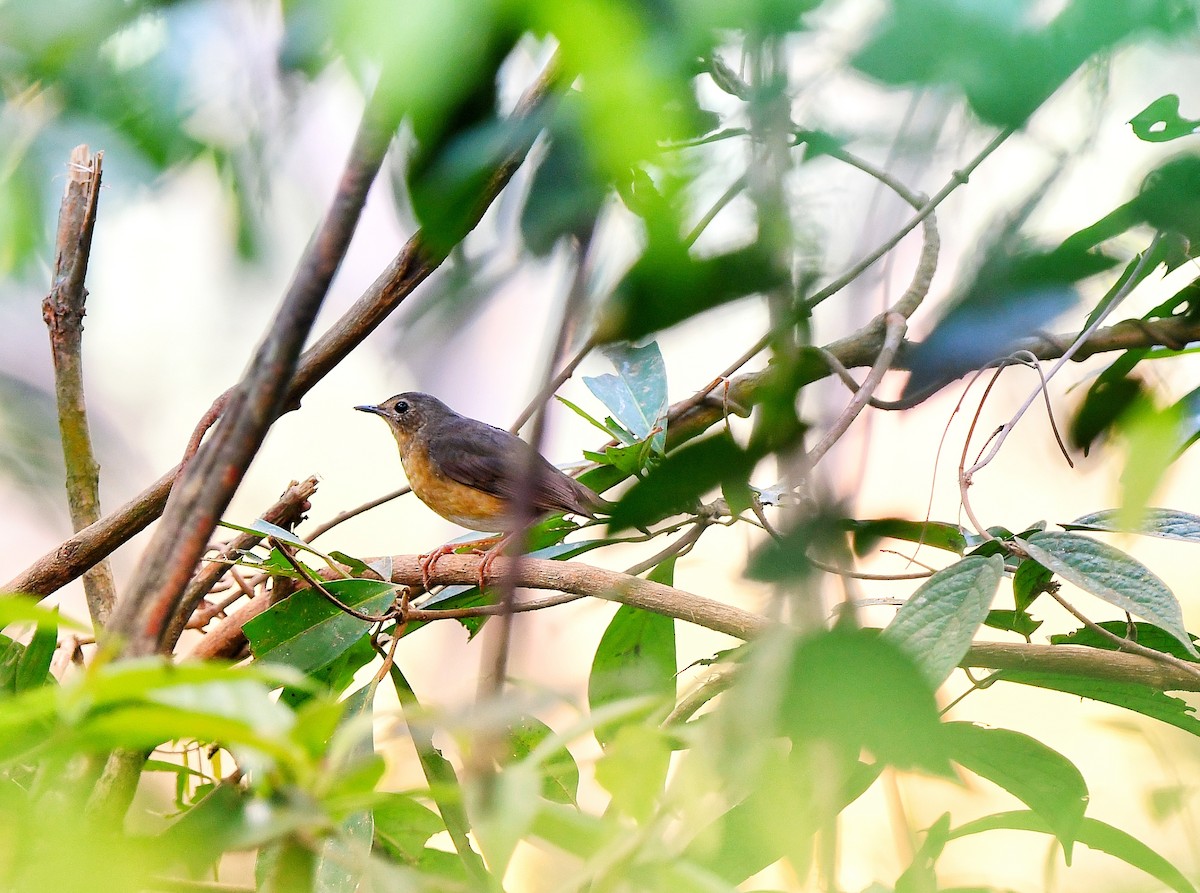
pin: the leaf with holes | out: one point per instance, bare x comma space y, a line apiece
936, 625
1110, 574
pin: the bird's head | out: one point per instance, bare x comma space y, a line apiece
408, 413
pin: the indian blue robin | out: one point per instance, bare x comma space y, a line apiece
472, 473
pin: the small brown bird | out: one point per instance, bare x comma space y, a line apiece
472, 473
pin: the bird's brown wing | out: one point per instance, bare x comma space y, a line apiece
491, 460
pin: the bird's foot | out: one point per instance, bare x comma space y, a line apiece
428, 560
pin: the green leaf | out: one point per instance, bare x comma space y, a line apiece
560, 775
928, 533
1160, 121
1151, 439
938, 622
684, 476
1110, 574
1041, 778
502, 814
1094, 834
635, 658
1030, 580
832, 694
1143, 633
403, 826
307, 632
1141, 699
637, 394
1170, 524
634, 768
1018, 622
667, 285
24, 609
920, 877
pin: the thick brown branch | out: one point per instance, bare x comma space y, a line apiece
63, 310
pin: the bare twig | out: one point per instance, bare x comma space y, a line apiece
355, 512
63, 310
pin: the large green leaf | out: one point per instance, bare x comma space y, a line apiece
635, 658
1112, 575
938, 622
1041, 778
560, 774
1094, 834
307, 631
833, 694
403, 826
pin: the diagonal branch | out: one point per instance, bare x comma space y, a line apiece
209, 480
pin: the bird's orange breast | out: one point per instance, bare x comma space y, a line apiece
453, 500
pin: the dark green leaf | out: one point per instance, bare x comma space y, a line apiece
1107, 400
1030, 580
1143, 633
1141, 699
1094, 834
1041, 778
938, 534
938, 622
667, 286
1012, 621
33, 669
635, 658
307, 632
1014, 294
1110, 574
684, 476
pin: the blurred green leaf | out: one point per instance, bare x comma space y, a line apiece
938, 534
1152, 438
919, 876
937, 623
1160, 121
307, 632
403, 826
832, 694
666, 286
634, 768
25, 609
1041, 778
1093, 834
1169, 524
560, 775
1112, 575
1006, 65
1109, 398
637, 394
635, 658
1015, 293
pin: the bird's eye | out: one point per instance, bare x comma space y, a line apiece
401, 407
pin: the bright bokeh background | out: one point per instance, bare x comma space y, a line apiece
174, 314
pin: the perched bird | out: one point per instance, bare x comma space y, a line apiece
472, 473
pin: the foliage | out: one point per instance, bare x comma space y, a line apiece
666, 779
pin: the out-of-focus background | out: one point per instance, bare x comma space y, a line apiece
224, 126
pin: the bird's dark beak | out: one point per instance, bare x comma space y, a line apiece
378, 410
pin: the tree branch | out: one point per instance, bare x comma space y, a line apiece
63, 310
410, 268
